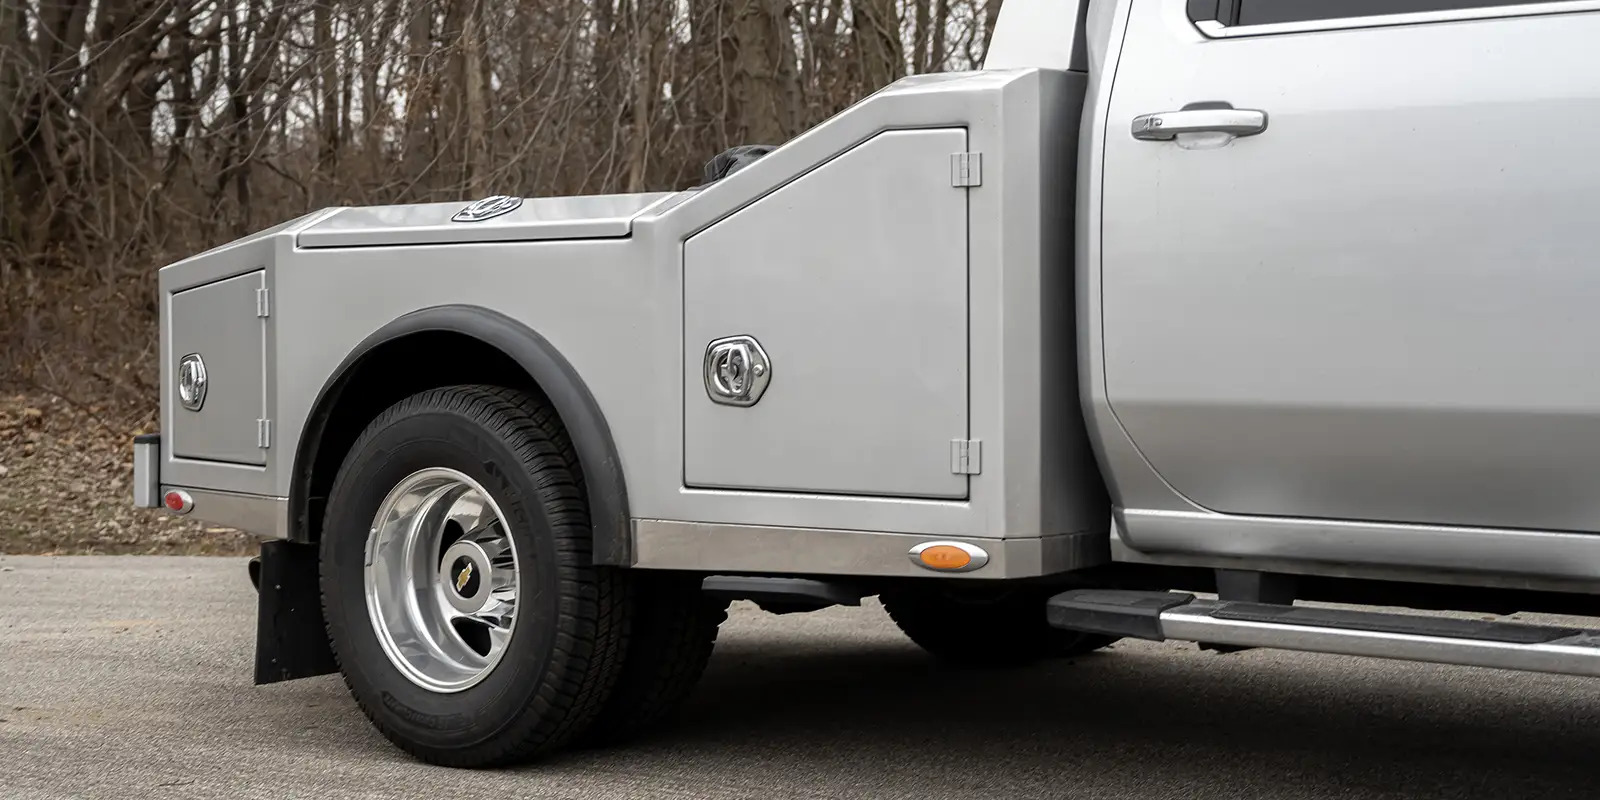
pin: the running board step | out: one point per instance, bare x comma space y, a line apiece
1159, 616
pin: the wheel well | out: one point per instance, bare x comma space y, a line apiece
383, 376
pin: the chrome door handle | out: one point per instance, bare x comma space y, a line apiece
1167, 124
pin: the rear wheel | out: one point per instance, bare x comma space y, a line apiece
461, 602
673, 633
984, 627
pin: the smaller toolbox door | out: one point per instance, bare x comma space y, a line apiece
219, 336
825, 329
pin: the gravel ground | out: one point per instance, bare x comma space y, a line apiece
130, 677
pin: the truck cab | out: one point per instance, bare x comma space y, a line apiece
1178, 319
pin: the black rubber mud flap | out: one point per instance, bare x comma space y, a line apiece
291, 641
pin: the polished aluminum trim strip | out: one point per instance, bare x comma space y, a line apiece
713, 547
259, 515
147, 474
1484, 550
1191, 623
1216, 30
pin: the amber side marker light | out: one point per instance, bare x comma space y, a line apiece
949, 556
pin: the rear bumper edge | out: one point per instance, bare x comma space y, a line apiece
259, 515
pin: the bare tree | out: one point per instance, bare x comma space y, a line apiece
134, 132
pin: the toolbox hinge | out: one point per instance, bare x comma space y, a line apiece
966, 456
264, 433
966, 169
263, 302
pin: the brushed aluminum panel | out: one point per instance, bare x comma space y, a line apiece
854, 280
676, 545
218, 321
147, 472
257, 515
538, 218
614, 308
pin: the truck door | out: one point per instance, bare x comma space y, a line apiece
1351, 257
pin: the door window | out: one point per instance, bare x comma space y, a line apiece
1224, 18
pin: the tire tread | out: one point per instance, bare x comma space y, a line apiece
675, 632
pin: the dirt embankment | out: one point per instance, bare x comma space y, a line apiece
66, 476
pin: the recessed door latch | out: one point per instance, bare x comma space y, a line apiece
737, 371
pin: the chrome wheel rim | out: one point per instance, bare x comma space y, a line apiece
441, 580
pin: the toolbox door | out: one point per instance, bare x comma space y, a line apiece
218, 337
825, 329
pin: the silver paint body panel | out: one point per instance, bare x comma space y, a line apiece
1382, 307
1462, 552
1352, 344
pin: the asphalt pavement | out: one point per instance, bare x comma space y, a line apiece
130, 677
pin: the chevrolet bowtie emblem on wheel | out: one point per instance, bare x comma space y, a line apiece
487, 208
463, 576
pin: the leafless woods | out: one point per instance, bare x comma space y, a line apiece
134, 132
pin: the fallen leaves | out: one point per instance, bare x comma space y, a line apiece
69, 489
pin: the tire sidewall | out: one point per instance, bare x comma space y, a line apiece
394, 448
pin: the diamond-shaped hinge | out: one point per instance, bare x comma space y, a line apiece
966, 456
966, 169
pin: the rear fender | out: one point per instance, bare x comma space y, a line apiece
544, 366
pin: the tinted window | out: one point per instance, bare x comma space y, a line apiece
1268, 12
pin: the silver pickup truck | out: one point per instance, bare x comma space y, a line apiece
1180, 319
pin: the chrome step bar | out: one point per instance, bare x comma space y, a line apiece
1413, 637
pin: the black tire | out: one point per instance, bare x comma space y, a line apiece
984, 628
568, 646
674, 631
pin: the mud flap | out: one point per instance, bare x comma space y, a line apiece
291, 641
